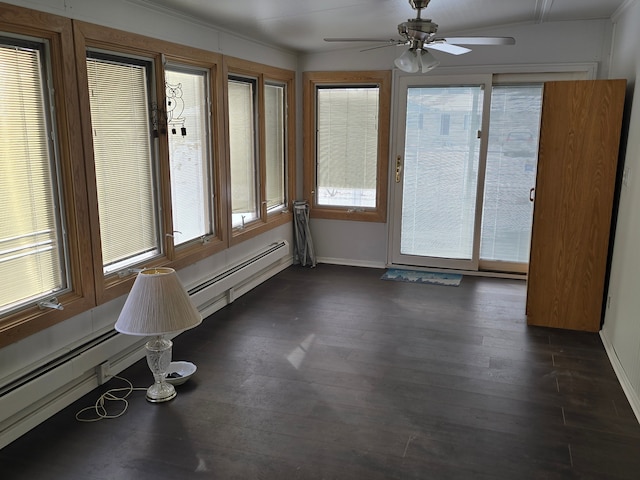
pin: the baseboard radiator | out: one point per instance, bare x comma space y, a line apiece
210, 294
36, 395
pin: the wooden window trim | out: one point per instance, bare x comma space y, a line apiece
310, 81
94, 36
263, 74
86, 36
212, 62
81, 297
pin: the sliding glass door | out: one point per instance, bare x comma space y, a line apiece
465, 172
437, 190
510, 177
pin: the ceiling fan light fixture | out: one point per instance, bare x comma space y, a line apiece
414, 60
427, 61
408, 61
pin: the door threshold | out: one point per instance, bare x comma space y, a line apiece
475, 273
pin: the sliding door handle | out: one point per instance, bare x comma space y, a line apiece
532, 194
398, 168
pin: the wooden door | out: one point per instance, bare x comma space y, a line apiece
578, 153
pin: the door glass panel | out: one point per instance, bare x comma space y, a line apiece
511, 173
440, 171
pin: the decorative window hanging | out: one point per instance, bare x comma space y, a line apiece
175, 108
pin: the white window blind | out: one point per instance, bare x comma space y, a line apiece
242, 148
510, 172
347, 146
275, 148
123, 161
189, 158
31, 250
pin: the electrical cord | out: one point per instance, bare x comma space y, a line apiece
110, 395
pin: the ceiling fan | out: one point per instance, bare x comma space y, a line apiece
420, 36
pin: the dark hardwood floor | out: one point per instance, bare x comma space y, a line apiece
332, 373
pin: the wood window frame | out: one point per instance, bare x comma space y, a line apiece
212, 63
312, 80
88, 35
58, 32
263, 74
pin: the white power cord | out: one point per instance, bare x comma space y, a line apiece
110, 395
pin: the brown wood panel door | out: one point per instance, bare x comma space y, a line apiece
578, 154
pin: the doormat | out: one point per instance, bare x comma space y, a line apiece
416, 276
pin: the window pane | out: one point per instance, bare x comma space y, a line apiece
347, 146
191, 186
31, 250
275, 138
440, 171
123, 160
511, 172
242, 147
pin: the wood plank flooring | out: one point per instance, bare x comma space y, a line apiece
332, 373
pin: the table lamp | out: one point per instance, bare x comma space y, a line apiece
157, 305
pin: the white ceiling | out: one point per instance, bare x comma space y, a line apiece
302, 25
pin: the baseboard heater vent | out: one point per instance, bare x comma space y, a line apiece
223, 287
53, 364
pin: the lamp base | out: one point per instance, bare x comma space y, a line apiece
158, 359
160, 392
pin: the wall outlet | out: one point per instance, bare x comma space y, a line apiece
103, 372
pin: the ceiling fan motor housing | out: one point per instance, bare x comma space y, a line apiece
418, 29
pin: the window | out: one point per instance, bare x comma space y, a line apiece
44, 225
242, 146
155, 197
346, 155
260, 117
124, 159
32, 250
347, 146
275, 146
192, 193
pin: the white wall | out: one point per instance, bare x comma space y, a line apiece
621, 331
538, 46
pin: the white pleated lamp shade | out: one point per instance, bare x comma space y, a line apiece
157, 304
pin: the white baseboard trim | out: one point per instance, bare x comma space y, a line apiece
350, 263
61, 387
627, 387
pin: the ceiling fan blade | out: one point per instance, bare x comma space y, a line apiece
382, 46
378, 40
447, 48
479, 40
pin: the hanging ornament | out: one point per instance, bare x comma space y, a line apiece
175, 108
